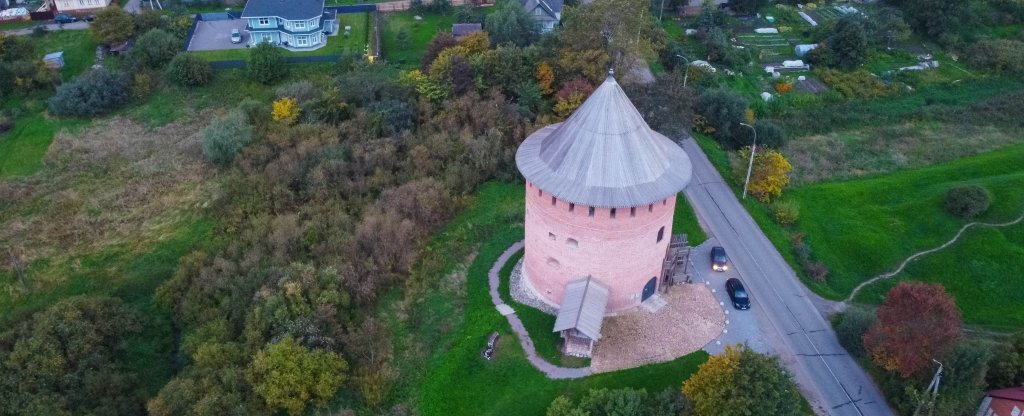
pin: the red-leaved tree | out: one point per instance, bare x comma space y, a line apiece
917, 322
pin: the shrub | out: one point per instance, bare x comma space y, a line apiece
143, 84
967, 201
769, 134
301, 91
724, 110
95, 92
39, 31
783, 87
266, 63
816, 271
769, 174
148, 20
189, 70
225, 137
852, 326
786, 212
997, 54
286, 110
156, 48
112, 25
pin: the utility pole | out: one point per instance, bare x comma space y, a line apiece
686, 68
933, 388
750, 166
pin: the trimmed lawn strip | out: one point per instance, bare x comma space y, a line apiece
420, 32
457, 380
685, 222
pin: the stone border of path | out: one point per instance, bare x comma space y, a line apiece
550, 370
919, 254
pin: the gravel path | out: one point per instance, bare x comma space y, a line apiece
690, 319
550, 370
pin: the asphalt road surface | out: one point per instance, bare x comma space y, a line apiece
828, 377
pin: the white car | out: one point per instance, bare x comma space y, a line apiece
236, 36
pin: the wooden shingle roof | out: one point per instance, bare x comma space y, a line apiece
604, 155
582, 307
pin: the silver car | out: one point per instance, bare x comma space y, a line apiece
236, 36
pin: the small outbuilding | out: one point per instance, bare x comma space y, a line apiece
581, 315
54, 60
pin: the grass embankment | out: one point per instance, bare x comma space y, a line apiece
457, 380
354, 43
22, 148
864, 227
420, 32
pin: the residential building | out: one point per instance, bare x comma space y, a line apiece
79, 6
295, 24
547, 13
1003, 402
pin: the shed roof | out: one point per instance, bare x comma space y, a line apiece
463, 29
53, 55
583, 307
1012, 393
604, 155
285, 9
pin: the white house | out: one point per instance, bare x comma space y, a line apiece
79, 6
295, 24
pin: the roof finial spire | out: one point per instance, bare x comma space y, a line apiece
611, 72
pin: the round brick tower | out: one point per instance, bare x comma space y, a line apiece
600, 196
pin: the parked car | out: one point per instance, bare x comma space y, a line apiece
90, 18
236, 36
64, 18
719, 261
737, 293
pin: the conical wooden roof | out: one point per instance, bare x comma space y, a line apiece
605, 155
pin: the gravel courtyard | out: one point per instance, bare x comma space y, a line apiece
691, 319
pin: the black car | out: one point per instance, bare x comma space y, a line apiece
737, 293
719, 261
90, 18
63, 18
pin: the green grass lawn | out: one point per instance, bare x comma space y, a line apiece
685, 222
355, 43
22, 148
420, 32
456, 380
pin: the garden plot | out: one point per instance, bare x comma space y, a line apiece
766, 46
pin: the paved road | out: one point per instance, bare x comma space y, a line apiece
830, 379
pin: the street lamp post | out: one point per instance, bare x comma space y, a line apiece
750, 166
686, 68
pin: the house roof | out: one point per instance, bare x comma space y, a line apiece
550, 6
604, 155
463, 29
583, 307
285, 9
1012, 393
53, 55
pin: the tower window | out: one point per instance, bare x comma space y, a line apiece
613, 213
664, 202
552, 236
540, 192
554, 200
661, 233
650, 208
591, 213
571, 242
632, 211
572, 207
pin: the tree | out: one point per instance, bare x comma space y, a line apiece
1000, 55
917, 322
1006, 368
148, 20
266, 63
92, 93
622, 29
665, 104
769, 175
225, 137
724, 110
849, 43
769, 134
747, 6
932, 17
68, 359
288, 376
742, 382
438, 43
545, 78
155, 48
112, 25
190, 70
571, 96
285, 110
511, 24
475, 44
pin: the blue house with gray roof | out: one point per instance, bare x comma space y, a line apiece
294, 24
